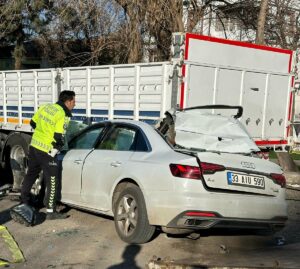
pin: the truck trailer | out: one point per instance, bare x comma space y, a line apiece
203, 70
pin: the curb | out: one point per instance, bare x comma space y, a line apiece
172, 265
292, 178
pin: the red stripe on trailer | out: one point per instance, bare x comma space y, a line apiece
290, 114
186, 55
290, 107
187, 45
182, 88
238, 43
271, 142
291, 98
290, 62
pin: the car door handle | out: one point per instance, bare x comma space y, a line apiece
115, 164
78, 161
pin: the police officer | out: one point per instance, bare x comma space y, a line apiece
49, 124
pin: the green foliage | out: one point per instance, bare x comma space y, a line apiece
294, 155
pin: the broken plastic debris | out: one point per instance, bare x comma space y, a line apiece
280, 240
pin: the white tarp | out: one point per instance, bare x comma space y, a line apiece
200, 130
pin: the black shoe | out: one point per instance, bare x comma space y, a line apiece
55, 215
23, 214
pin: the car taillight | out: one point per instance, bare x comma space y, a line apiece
200, 214
279, 179
186, 171
211, 168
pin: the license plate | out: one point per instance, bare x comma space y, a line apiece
245, 180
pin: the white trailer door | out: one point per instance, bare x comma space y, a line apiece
219, 71
253, 103
276, 116
201, 80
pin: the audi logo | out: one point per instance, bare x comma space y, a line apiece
248, 165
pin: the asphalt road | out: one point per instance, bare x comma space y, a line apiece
87, 240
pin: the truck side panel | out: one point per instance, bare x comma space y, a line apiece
22, 92
137, 91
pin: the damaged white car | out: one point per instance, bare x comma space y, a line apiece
196, 170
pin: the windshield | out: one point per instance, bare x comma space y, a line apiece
195, 129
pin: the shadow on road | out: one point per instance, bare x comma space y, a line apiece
128, 256
4, 216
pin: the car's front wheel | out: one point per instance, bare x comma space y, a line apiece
130, 214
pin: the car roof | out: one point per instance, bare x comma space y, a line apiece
125, 121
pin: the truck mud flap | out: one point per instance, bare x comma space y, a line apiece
11, 249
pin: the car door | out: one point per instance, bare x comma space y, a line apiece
106, 164
72, 162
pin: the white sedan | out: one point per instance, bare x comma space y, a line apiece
197, 170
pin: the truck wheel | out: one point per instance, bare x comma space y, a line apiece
18, 148
130, 214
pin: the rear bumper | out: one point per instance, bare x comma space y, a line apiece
200, 223
164, 208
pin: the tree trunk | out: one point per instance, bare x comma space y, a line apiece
177, 10
286, 162
135, 53
261, 22
18, 55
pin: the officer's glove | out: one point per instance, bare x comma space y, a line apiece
57, 146
58, 142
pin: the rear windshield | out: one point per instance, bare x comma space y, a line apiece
211, 132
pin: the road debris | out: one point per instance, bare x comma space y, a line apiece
223, 249
12, 247
280, 240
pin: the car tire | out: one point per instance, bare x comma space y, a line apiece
130, 216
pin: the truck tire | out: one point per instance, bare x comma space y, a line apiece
18, 147
130, 216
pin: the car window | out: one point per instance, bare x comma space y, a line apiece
120, 138
140, 143
87, 139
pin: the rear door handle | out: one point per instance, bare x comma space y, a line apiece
78, 161
115, 164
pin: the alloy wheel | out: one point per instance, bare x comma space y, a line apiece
127, 215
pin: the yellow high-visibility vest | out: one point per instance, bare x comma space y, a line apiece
49, 119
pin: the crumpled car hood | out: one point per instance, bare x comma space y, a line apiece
199, 130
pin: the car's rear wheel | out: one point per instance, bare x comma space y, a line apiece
131, 220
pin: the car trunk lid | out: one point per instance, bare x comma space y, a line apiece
240, 173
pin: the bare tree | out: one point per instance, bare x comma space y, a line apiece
283, 24
151, 23
85, 32
260, 33
7, 16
